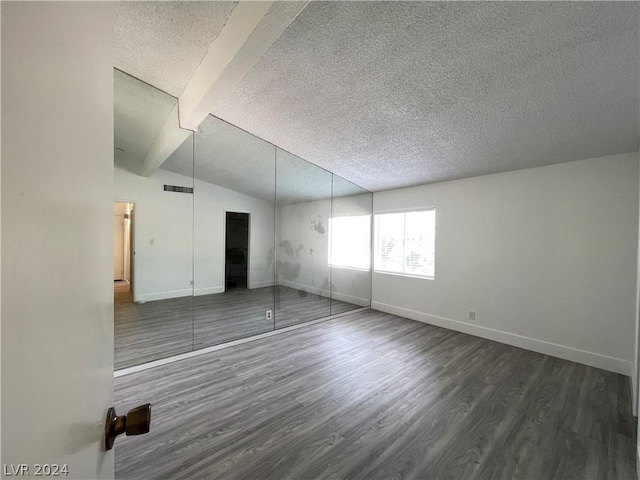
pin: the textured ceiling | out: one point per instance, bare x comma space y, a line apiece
139, 112
232, 158
393, 94
224, 154
163, 43
228, 157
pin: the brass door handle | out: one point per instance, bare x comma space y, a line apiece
136, 422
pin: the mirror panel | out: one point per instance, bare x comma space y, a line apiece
303, 208
233, 234
153, 314
350, 246
246, 238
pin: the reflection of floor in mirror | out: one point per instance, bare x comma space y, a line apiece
153, 330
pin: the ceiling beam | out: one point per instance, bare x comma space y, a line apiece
250, 30
169, 138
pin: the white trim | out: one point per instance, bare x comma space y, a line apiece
638, 461
404, 210
343, 297
262, 284
150, 297
612, 364
202, 351
401, 274
342, 267
364, 302
207, 291
305, 288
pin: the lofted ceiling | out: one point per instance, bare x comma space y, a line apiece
224, 155
139, 112
163, 43
392, 94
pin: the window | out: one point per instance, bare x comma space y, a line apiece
350, 244
405, 243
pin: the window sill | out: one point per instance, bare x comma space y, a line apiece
359, 269
398, 274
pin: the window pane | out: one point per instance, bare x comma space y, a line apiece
390, 242
405, 243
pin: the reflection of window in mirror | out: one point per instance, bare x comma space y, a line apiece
349, 246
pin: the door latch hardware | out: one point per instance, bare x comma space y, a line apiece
136, 422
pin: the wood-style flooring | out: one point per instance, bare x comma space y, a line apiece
163, 328
375, 396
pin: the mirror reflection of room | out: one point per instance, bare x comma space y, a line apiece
233, 235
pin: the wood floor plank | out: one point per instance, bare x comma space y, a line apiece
163, 328
373, 396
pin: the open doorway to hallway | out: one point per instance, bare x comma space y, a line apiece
123, 254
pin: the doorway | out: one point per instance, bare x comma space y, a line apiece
236, 264
123, 253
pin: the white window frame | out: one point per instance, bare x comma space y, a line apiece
376, 244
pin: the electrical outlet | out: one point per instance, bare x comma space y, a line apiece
472, 316
269, 315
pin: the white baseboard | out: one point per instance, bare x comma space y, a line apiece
306, 288
262, 284
343, 297
207, 291
150, 297
363, 302
612, 364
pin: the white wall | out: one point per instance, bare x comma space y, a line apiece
305, 226
57, 290
184, 249
546, 257
164, 269
302, 246
211, 204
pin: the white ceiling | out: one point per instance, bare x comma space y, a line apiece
226, 156
393, 94
162, 43
139, 112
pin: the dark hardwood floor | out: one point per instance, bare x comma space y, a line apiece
159, 329
371, 395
